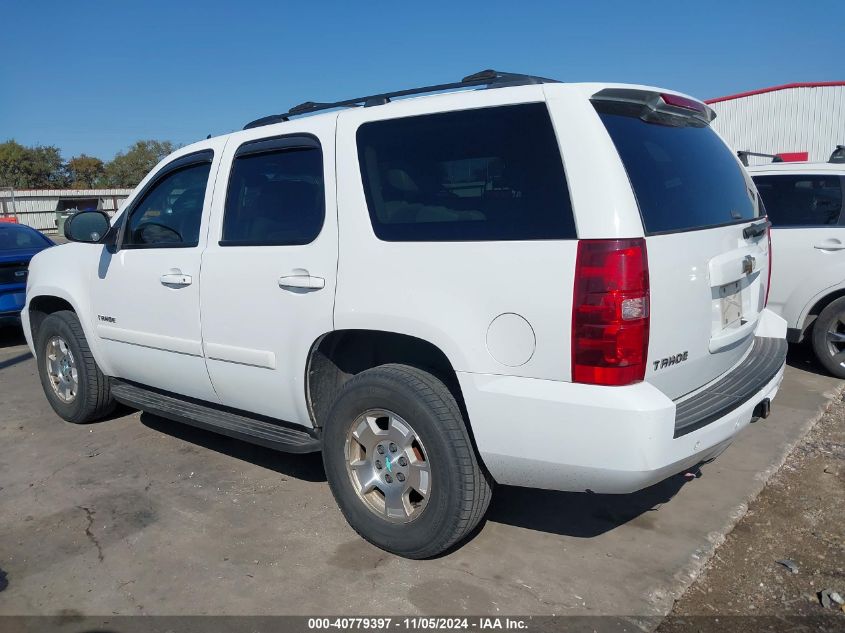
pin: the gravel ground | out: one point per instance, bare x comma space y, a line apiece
800, 519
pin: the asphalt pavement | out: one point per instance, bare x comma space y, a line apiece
140, 515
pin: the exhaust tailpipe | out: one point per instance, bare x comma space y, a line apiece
763, 409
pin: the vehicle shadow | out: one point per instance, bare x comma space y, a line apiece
801, 356
578, 514
308, 467
11, 335
14, 360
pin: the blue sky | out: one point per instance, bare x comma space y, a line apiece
94, 77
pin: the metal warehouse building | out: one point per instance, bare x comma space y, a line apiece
37, 207
800, 121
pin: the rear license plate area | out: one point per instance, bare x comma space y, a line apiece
730, 298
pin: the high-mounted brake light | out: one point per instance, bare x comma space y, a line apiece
610, 313
682, 102
653, 107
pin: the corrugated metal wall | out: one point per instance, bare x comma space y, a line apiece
791, 120
37, 207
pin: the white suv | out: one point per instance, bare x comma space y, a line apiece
804, 202
534, 283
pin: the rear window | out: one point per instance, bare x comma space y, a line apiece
18, 238
472, 175
684, 178
804, 200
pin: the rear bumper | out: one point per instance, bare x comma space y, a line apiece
766, 358
566, 436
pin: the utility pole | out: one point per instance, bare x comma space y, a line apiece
6, 216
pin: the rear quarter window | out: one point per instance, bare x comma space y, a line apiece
801, 200
471, 175
684, 178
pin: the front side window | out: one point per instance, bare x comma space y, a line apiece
804, 200
275, 198
472, 175
170, 213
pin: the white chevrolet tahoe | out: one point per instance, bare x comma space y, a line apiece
804, 203
526, 282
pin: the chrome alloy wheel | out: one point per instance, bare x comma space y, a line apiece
388, 466
835, 337
61, 369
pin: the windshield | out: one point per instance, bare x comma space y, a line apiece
20, 238
684, 178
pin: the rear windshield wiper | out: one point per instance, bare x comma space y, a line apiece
755, 230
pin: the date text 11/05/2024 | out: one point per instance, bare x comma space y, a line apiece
418, 623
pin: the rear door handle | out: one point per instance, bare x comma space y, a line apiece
306, 282
830, 245
176, 279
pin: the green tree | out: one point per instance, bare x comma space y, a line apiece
85, 172
128, 168
39, 167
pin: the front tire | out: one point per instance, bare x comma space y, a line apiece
73, 383
400, 463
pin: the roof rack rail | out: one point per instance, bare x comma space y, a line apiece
488, 78
743, 155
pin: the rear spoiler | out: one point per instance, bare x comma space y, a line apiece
655, 107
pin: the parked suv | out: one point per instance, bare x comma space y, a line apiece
804, 203
537, 284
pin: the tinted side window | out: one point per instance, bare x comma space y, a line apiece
487, 174
275, 198
684, 178
801, 200
170, 213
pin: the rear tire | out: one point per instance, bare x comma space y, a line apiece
829, 337
368, 451
73, 383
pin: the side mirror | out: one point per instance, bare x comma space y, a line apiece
87, 226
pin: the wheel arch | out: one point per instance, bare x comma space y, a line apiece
815, 306
42, 306
46, 300
337, 356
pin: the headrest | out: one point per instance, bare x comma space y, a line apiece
289, 193
400, 180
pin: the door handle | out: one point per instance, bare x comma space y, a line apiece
302, 282
176, 279
830, 245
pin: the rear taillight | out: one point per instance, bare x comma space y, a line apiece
610, 313
769, 280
